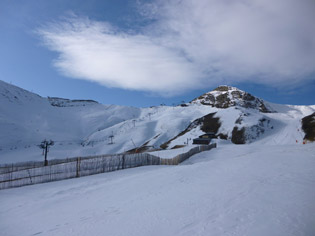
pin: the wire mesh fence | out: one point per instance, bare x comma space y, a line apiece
27, 173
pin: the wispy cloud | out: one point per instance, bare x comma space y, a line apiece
192, 44
95, 51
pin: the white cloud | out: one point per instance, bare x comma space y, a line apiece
192, 44
94, 51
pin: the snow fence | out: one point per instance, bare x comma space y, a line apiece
27, 173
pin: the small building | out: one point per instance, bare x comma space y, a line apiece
204, 139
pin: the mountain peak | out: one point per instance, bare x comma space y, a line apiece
226, 96
225, 88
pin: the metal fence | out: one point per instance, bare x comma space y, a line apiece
21, 174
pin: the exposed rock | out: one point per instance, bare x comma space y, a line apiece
238, 135
226, 96
207, 123
248, 134
210, 123
223, 101
308, 126
236, 94
222, 88
222, 136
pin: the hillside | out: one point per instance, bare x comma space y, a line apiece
242, 118
83, 127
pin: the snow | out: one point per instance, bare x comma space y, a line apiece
262, 188
232, 190
287, 128
227, 118
163, 124
171, 153
82, 128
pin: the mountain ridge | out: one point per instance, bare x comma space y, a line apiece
83, 127
226, 96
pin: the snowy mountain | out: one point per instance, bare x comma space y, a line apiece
227, 96
242, 118
83, 127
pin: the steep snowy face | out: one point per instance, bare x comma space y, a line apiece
27, 118
227, 96
12, 95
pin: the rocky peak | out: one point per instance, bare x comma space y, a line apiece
226, 96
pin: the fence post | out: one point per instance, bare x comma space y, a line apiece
78, 167
123, 161
29, 174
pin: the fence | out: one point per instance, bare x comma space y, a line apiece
184, 156
21, 174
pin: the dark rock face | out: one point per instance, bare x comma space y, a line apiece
308, 126
236, 94
222, 88
223, 101
207, 123
210, 124
238, 135
226, 96
222, 136
263, 108
248, 134
248, 97
206, 99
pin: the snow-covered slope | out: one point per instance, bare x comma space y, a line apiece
242, 118
81, 128
241, 190
26, 119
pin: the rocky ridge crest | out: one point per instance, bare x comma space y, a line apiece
227, 96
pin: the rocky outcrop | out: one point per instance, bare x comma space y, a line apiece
238, 135
247, 134
227, 96
308, 126
207, 123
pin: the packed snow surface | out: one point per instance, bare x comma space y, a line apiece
232, 190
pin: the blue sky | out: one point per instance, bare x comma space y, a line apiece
142, 53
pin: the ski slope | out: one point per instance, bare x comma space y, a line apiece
239, 190
83, 128
288, 128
